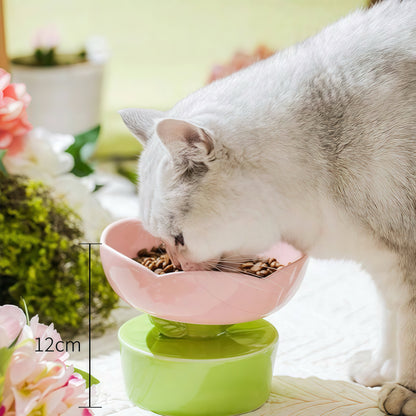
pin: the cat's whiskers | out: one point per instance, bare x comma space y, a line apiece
232, 269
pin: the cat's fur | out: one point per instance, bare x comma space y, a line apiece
315, 146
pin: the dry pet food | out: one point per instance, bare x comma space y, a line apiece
260, 268
159, 262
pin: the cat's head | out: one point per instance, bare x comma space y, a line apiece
194, 191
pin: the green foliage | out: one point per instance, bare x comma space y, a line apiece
41, 259
81, 150
45, 58
49, 57
2, 168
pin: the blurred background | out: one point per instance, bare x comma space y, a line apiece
158, 51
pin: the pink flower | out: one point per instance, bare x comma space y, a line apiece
43, 332
12, 321
35, 386
47, 37
38, 383
13, 118
239, 61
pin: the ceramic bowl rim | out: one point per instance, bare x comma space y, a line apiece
140, 267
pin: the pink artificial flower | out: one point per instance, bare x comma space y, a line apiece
12, 322
42, 332
39, 383
13, 118
35, 386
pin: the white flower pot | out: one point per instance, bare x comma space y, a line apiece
66, 98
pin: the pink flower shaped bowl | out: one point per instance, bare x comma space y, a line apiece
196, 297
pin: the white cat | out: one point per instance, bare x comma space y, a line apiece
315, 146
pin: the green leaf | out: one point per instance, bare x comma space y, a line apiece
26, 311
89, 136
129, 174
86, 376
81, 150
82, 168
2, 167
97, 187
5, 355
13, 344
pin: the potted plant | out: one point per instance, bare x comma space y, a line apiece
65, 88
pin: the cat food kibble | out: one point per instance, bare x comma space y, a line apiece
261, 268
156, 260
159, 262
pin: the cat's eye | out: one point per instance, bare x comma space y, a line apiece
179, 239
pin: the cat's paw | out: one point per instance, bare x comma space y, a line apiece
395, 399
369, 372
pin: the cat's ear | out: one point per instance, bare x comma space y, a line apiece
141, 121
182, 138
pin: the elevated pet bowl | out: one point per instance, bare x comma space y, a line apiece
196, 297
204, 350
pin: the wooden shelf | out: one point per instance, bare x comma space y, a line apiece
4, 60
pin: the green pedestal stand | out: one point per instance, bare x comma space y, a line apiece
181, 369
